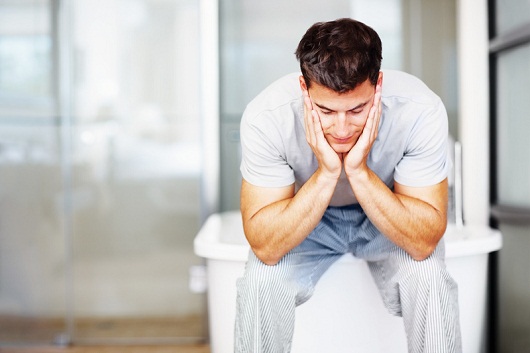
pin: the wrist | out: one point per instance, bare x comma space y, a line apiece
328, 175
358, 175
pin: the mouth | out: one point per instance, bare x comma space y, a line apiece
342, 140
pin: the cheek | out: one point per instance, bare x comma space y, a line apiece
326, 122
360, 120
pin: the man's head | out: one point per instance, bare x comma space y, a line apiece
340, 54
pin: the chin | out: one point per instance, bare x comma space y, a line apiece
342, 148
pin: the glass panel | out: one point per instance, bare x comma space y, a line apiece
257, 43
26, 38
511, 14
32, 283
136, 169
514, 289
513, 124
32, 252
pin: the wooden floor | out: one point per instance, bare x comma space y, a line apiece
109, 349
92, 335
37, 330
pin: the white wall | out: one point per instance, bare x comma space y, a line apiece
473, 83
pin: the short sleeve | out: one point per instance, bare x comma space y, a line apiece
263, 160
425, 161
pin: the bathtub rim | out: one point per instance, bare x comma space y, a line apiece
463, 241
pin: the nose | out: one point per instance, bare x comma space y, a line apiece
341, 126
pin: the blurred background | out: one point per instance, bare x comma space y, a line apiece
119, 135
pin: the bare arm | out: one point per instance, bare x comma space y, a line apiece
414, 218
276, 220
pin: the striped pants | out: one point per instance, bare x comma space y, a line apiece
422, 292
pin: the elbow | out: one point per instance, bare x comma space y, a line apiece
266, 256
426, 248
265, 250
423, 252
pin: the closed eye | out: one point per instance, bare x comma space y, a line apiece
358, 109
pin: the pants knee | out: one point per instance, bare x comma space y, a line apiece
261, 279
427, 281
429, 272
407, 282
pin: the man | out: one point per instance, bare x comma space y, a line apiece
345, 159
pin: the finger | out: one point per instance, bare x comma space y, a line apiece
378, 112
309, 125
310, 132
308, 110
312, 121
307, 100
375, 112
317, 126
372, 123
368, 127
318, 132
315, 118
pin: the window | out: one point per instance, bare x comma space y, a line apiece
510, 182
26, 57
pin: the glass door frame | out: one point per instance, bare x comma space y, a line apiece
499, 213
498, 44
62, 13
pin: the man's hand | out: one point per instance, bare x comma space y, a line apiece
355, 160
329, 162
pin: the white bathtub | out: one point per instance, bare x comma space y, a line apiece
346, 310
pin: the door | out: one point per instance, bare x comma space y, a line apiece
135, 169
100, 171
32, 247
510, 78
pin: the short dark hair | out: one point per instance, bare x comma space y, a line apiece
340, 54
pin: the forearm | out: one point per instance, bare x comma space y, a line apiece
277, 228
411, 223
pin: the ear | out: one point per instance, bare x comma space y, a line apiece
303, 86
380, 79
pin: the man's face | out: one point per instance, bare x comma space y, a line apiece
342, 116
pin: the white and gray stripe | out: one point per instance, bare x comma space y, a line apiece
421, 291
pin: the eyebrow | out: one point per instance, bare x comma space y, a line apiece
323, 107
